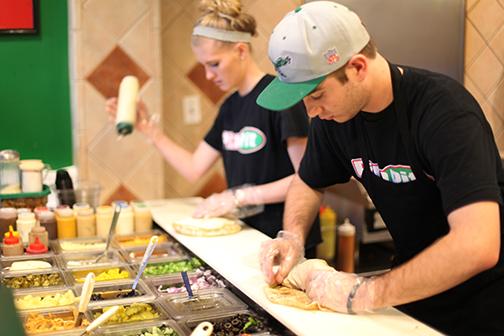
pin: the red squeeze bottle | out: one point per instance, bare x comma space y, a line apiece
37, 247
12, 246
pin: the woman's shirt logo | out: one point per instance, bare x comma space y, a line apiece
247, 140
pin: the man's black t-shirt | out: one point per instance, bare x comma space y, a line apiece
459, 164
253, 145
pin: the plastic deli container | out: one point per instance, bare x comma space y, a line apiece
106, 274
164, 327
118, 293
230, 323
73, 261
43, 299
200, 280
28, 263
172, 268
73, 245
205, 302
162, 252
140, 311
34, 279
139, 239
52, 321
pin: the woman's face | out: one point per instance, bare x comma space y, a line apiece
222, 62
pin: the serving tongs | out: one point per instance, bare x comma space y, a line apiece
117, 211
100, 320
87, 290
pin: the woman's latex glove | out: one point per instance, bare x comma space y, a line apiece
230, 201
341, 292
216, 205
147, 124
285, 251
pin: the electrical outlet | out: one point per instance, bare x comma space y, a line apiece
191, 107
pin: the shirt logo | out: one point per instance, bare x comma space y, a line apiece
280, 62
248, 140
391, 173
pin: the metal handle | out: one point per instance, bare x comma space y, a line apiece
117, 211
148, 252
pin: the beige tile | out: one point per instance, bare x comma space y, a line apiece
138, 42
107, 180
95, 118
78, 120
474, 43
497, 44
496, 99
470, 4
156, 14
170, 10
473, 89
487, 16
486, 71
103, 25
76, 58
151, 96
176, 43
268, 19
191, 8
147, 177
119, 155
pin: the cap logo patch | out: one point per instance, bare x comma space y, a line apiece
280, 62
331, 56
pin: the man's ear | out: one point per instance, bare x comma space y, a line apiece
357, 67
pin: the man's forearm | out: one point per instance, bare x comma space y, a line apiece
301, 207
464, 252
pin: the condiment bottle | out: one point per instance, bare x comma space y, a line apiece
86, 226
126, 105
12, 246
11, 229
64, 188
104, 214
24, 224
143, 217
327, 248
7, 218
48, 220
37, 247
31, 175
39, 232
125, 222
346, 247
65, 221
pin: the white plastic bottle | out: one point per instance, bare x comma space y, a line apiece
126, 105
24, 224
126, 221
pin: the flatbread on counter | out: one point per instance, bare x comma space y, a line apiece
290, 297
206, 227
296, 277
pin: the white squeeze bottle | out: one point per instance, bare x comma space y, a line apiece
126, 105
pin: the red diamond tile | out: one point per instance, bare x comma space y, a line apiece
121, 193
108, 74
212, 91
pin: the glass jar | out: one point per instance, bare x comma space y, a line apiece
9, 172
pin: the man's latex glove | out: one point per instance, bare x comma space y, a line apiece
298, 276
285, 251
229, 202
146, 123
342, 292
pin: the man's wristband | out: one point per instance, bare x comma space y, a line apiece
351, 295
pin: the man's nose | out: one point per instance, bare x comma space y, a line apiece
313, 110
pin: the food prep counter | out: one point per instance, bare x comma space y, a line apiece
235, 257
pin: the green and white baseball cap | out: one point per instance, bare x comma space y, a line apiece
309, 43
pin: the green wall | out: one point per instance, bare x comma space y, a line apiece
35, 117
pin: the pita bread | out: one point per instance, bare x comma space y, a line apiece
206, 227
290, 297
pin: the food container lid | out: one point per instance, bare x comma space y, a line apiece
78, 260
109, 291
138, 328
204, 302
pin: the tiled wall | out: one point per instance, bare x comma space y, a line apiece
112, 37
484, 60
